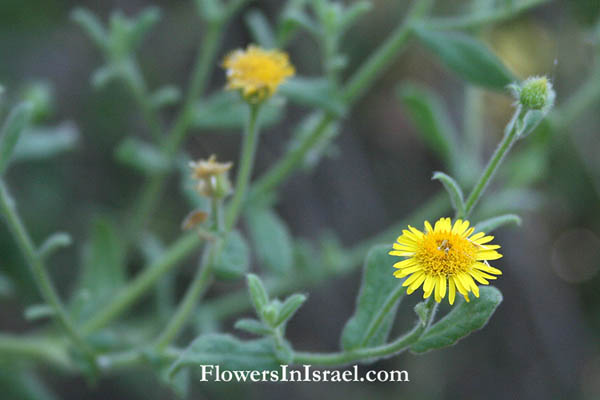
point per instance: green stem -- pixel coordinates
(137, 84)
(385, 54)
(154, 186)
(40, 274)
(510, 137)
(357, 85)
(371, 353)
(199, 284)
(235, 303)
(246, 162)
(144, 281)
(486, 18)
(42, 349)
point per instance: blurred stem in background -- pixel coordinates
(38, 270)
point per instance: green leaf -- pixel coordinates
(461, 321)
(54, 242)
(468, 57)
(46, 142)
(141, 156)
(454, 191)
(233, 260)
(258, 293)
(432, 120)
(260, 29)
(271, 239)
(289, 308)
(319, 149)
(226, 110)
(140, 26)
(530, 121)
(14, 125)
(103, 268)
(313, 92)
(92, 25)
(253, 326)
(494, 223)
(229, 353)
(165, 96)
(376, 304)
(38, 311)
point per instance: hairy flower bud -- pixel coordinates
(535, 93)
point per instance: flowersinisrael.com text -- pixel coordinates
(214, 373)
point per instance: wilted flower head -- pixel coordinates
(212, 176)
(445, 258)
(256, 72)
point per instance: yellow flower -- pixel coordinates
(445, 258)
(257, 72)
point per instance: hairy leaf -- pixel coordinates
(233, 260)
(271, 238)
(461, 321)
(468, 57)
(228, 352)
(377, 302)
(453, 189)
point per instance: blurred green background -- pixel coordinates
(543, 342)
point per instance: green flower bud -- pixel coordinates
(535, 93)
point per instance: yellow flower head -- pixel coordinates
(445, 257)
(257, 72)
(212, 177)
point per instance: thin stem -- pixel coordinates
(389, 303)
(135, 80)
(144, 281)
(199, 284)
(387, 350)
(356, 86)
(154, 186)
(510, 137)
(246, 162)
(486, 18)
(370, 70)
(235, 303)
(40, 274)
(43, 349)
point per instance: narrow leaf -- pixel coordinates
(233, 260)
(16, 122)
(46, 142)
(432, 120)
(260, 29)
(55, 242)
(226, 110)
(468, 57)
(289, 307)
(461, 321)
(229, 353)
(453, 189)
(271, 239)
(92, 25)
(38, 311)
(494, 223)
(141, 156)
(376, 304)
(165, 96)
(103, 268)
(252, 326)
(258, 293)
(313, 92)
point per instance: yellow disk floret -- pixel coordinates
(445, 258)
(257, 72)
